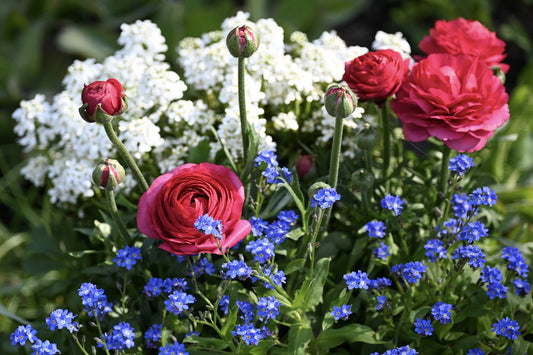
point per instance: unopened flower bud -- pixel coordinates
(362, 179)
(102, 100)
(108, 174)
(367, 139)
(340, 101)
(304, 164)
(242, 42)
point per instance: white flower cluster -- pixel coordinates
(285, 84)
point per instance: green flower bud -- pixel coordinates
(367, 139)
(340, 101)
(319, 185)
(108, 174)
(242, 42)
(362, 180)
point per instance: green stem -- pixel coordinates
(335, 153)
(79, 344)
(242, 111)
(112, 205)
(123, 152)
(123, 298)
(385, 124)
(314, 236)
(444, 171)
(101, 333)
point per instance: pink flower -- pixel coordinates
(376, 75)
(468, 37)
(169, 208)
(456, 99)
(108, 94)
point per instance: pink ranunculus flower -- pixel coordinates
(468, 37)
(108, 94)
(168, 210)
(376, 75)
(456, 99)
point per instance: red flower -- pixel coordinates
(376, 75)
(109, 94)
(456, 99)
(468, 37)
(169, 208)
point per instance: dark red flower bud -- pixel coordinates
(242, 42)
(304, 165)
(108, 174)
(102, 100)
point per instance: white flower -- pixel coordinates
(139, 136)
(286, 121)
(393, 41)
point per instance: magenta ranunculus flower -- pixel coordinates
(108, 94)
(456, 99)
(376, 75)
(174, 201)
(468, 37)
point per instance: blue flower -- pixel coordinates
(475, 351)
(393, 203)
(120, 338)
(521, 287)
(449, 227)
(277, 279)
(203, 267)
(515, 260)
(375, 229)
(154, 287)
(381, 302)
(178, 302)
(442, 312)
(497, 289)
(127, 257)
(289, 216)
(507, 327)
(475, 256)
(357, 279)
(209, 226)
(248, 333)
(276, 231)
(224, 304)
(412, 271)
(23, 333)
(473, 231)
(60, 319)
(423, 326)
(247, 310)
(266, 156)
(262, 249)
(491, 275)
(174, 284)
(153, 336)
(173, 349)
(484, 196)
(324, 198)
(403, 350)
(461, 205)
(44, 348)
(382, 252)
(237, 268)
(94, 300)
(460, 164)
(258, 226)
(343, 312)
(267, 308)
(435, 249)
(379, 284)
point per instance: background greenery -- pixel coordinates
(39, 39)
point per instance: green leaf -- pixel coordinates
(351, 333)
(299, 338)
(519, 347)
(81, 253)
(262, 347)
(310, 295)
(295, 234)
(6, 313)
(294, 265)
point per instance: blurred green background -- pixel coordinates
(39, 39)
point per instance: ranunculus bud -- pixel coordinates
(102, 100)
(242, 42)
(304, 164)
(367, 139)
(108, 174)
(340, 101)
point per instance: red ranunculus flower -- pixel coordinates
(468, 37)
(456, 99)
(109, 94)
(376, 75)
(169, 208)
